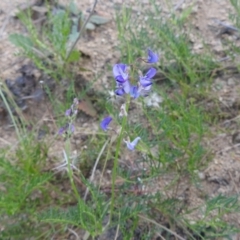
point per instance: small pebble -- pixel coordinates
(201, 175)
(231, 82)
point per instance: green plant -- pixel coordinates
(48, 48)
(147, 196)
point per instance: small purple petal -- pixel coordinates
(123, 88)
(67, 127)
(119, 91)
(126, 87)
(72, 128)
(147, 88)
(134, 92)
(120, 72)
(68, 112)
(131, 145)
(61, 130)
(150, 73)
(105, 122)
(152, 57)
(145, 82)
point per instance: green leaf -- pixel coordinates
(74, 56)
(90, 26)
(22, 41)
(74, 35)
(98, 19)
(73, 8)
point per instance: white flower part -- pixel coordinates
(140, 74)
(140, 180)
(112, 96)
(111, 93)
(132, 145)
(153, 100)
(123, 111)
(64, 166)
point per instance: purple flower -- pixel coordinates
(145, 81)
(139, 90)
(152, 57)
(131, 145)
(150, 74)
(66, 128)
(144, 84)
(105, 122)
(120, 72)
(123, 88)
(134, 92)
(119, 91)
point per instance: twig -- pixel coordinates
(5, 141)
(94, 168)
(230, 27)
(227, 148)
(81, 30)
(64, 165)
(5, 23)
(161, 236)
(74, 233)
(234, 184)
(161, 226)
(178, 5)
(117, 232)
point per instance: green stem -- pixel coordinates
(115, 163)
(70, 173)
(10, 113)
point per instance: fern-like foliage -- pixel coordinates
(18, 227)
(16, 186)
(80, 216)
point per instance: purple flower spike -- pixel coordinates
(65, 129)
(152, 57)
(61, 130)
(132, 145)
(105, 122)
(120, 72)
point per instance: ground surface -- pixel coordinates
(222, 174)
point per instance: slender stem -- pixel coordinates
(94, 168)
(115, 163)
(70, 173)
(10, 113)
(105, 165)
(81, 30)
(161, 226)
